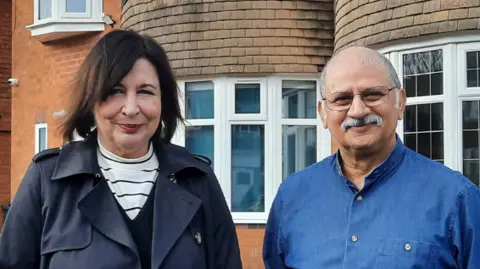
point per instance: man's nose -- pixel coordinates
(358, 109)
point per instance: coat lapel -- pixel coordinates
(174, 209)
(101, 210)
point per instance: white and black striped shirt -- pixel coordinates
(130, 180)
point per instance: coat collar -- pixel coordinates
(174, 205)
(80, 157)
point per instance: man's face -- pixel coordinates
(351, 83)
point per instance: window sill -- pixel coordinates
(50, 30)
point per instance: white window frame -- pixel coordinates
(454, 48)
(464, 94)
(63, 24)
(39, 126)
(270, 117)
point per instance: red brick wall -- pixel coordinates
(5, 101)
(44, 70)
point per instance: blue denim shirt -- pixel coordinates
(412, 213)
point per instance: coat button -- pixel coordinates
(172, 178)
(198, 238)
(408, 247)
(97, 175)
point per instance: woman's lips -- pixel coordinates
(129, 128)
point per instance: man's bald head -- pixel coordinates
(365, 56)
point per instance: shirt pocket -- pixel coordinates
(406, 254)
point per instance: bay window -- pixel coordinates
(256, 131)
(442, 116)
(56, 19)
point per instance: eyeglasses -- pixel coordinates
(371, 97)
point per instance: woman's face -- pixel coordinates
(130, 115)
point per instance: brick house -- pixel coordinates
(248, 74)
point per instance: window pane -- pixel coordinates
(470, 115)
(473, 69)
(248, 168)
(470, 145)
(423, 130)
(247, 98)
(472, 60)
(470, 138)
(437, 83)
(199, 140)
(77, 6)
(471, 170)
(423, 85)
(410, 84)
(299, 148)
(42, 139)
(437, 146)
(472, 79)
(410, 121)
(299, 99)
(44, 9)
(199, 100)
(423, 73)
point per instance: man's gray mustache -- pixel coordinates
(353, 122)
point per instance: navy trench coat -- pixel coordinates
(62, 216)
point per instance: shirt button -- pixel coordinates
(354, 238)
(359, 198)
(408, 247)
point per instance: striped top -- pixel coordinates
(130, 180)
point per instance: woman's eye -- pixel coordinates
(145, 92)
(116, 91)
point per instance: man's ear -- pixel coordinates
(401, 101)
(322, 113)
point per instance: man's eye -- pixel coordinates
(373, 96)
(342, 99)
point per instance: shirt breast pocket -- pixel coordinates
(406, 254)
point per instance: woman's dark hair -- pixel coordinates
(112, 57)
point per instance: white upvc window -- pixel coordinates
(56, 19)
(257, 131)
(442, 118)
(41, 137)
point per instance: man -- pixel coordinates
(375, 203)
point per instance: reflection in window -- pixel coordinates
(199, 100)
(247, 98)
(199, 140)
(423, 130)
(44, 9)
(299, 148)
(77, 6)
(471, 138)
(423, 73)
(299, 99)
(473, 69)
(248, 168)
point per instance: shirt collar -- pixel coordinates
(392, 161)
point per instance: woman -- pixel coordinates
(123, 197)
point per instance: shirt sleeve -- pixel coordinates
(466, 229)
(21, 233)
(273, 255)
